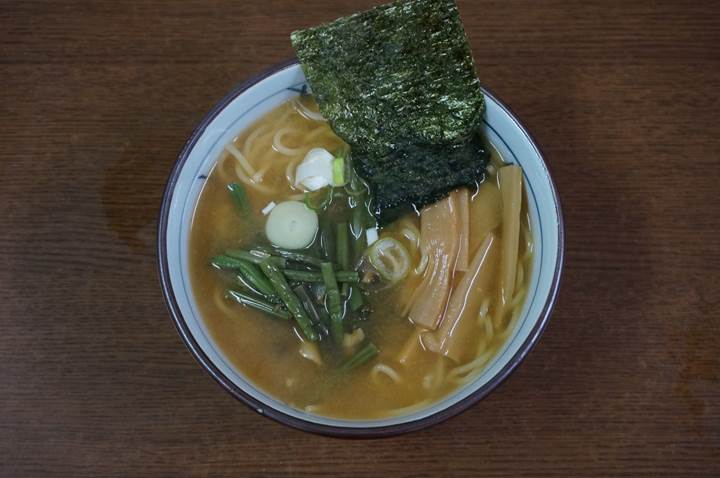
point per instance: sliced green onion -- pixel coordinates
(390, 258)
(338, 166)
(291, 225)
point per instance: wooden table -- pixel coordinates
(97, 99)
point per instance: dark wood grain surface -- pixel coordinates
(97, 99)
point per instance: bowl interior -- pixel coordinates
(240, 109)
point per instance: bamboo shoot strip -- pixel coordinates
(333, 302)
(456, 335)
(310, 276)
(258, 304)
(462, 200)
(288, 297)
(510, 179)
(439, 240)
(366, 353)
(485, 213)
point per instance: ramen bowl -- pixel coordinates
(239, 109)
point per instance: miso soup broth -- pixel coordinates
(414, 357)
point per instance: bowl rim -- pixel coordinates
(306, 425)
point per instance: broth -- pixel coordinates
(265, 350)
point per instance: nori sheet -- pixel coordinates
(398, 84)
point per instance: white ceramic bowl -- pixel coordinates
(247, 103)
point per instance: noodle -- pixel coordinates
(485, 320)
(258, 177)
(386, 370)
(482, 346)
(246, 180)
(281, 148)
(286, 114)
(241, 170)
(517, 299)
(221, 169)
(290, 173)
(435, 378)
(316, 132)
(241, 159)
(305, 112)
(488, 328)
(515, 307)
(310, 351)
(250, 140)
(410, 347)
(483, 311)
(463, 373)
(525, 231)
(410, 408)
(519, 275)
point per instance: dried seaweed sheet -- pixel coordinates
(398, 84)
